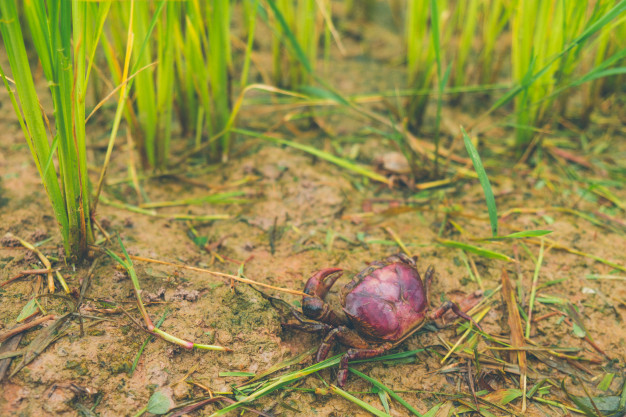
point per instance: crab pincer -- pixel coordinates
(314, 306)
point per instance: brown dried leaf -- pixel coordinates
(517, 334)
(44, 339)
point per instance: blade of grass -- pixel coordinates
(475, 249)
(358, 402)
(533, 290)
(519, 235)
(145, 343)
(358, 169)
(484, 182)
(556, 245)
(119, 111)
(219, 198)
(391, 393)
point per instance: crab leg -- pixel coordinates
(428, 278)
(345, 335)
(352, 354)
(327, 344)
(449, 305)
(306, 325)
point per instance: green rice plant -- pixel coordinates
(361, 9)
(301, 17)
(203, 71)
(65, 35)
(609, 42)
(548, 40)
(495, 15)
(424, 51)
(219, 67)
(149, 106)
(420, 52)
(573, 62)
(467, 19)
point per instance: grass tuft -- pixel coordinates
(65, 38)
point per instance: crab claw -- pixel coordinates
(319, 284)
(313, 305)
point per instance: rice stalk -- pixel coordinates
(149, 104)
(548, 40)
(64, 35)
(301, 17)
(420, 50)
(495, 16)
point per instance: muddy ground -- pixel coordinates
(304, 214)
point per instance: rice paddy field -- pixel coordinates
(173, 172)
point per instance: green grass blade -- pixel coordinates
(358, 169)
(219, 198)
(391, 393)
(521, 235)
(358, 402)
(475, 249)
(293, 42)
(145, 343)
(484, 181)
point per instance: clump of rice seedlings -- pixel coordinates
(421, 51)
(203, 73)
(361, 9)
(302, 18)
(494, 18)
(548, 41)
(466, 16)
(608, 46)
(65, 35)
(148, 110)
(219, 68)
(182, 63)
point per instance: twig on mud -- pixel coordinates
(106, 235)
(19, 329)
(25, 273)
(44, 339)
(470, 382)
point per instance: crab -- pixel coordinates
(382, 306)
